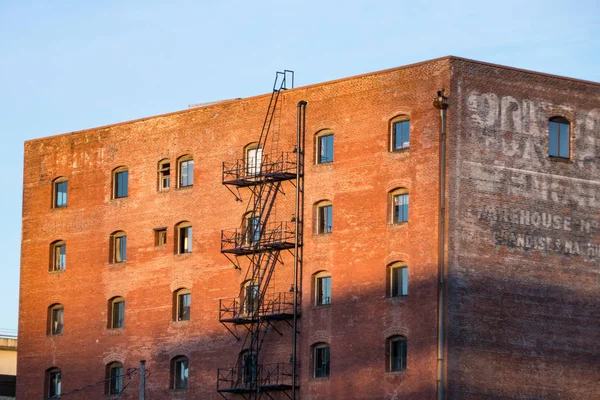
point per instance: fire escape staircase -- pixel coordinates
(260, 241)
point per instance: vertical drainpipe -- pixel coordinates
(441, 103)
(299, 229)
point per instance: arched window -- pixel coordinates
(53, 383)
(58, 256)
(400, 133)
(179, 372)
(253, 156)
(249, 298)
(324, 217)
(559, 138)
(324, 147)
(251, 228)
(397, 279)
(60, 189)
(399, 206)
(114, 378)
(120, 182)
(55, 319)
(321, 360)
(118, 247)
(164, 175)
(397, 351)
(184, 237)
(182, 302)
(248, 368)
(116, 312)
(322, 287)
(185, 171)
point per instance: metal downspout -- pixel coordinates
(441, 103)
(299, 221)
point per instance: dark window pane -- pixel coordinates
(54, 383)
(399, 281)
(553, 140)
(118, 318)
(120, 249)
(185, 239)
(325, 149)
(321, 362)
(324, 290)
(116, 380)
(61, 194)
(187, 173)
(57, 321)
(564, 144)
(398, 354)
(325, 219)
(121, 182)
(184, 306)
(400, 208)
(181, 374)
(401, 135)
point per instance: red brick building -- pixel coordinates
(124, 228)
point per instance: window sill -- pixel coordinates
(188, 187)
(180, 323)
(319, 378)
(320, 306)
(395, 373)
(398, 224)
(52, 335)
(56, 272)
(397, 299)
(323, 234)
(115, 331)
(59, 207)
(400, 151)
(183, 255)
(559, 159)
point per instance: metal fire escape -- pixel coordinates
(260, 241)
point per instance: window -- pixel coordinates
(247, 371)
(400, 133)
(324, 217)
(184, 238)
(60, 192)
(180, 372)
(321, 360)
(559, 138)
(160, 236)
(118, 247)
(58, 256)
(186, 171)
(398, 280)
(55, 319)
(399, 210)
(397, 353)
(53, 383)
(322, 288)
(251, 229)
(120, 182)
(116, 312)
(250, 298)
(183, 302)
(324, 147)
(164, 175)
(253, 157)
(114, 376)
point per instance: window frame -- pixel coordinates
(249, 300)
(185, 162)
(255, 170)
(118, 175)
(404, 208)
(320, 137)
(53, 385)
(118, 247)
(559, 122)
(251, 229)
(182, 239)
(397, 289)
(319, 292)
(55, 193)
(321, 217)
(58, 256)
(400, 119)
(321, 351)
(179, 313)
(176, 383)
(396, 362)
(164, 175)
(56, 320)
(114, 378)
(116, 305)
(247, 372)
(160, 237)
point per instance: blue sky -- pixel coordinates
(73, 65)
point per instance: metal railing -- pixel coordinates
(247, 240)
(274, 376)
(274, 305)
(280, 166)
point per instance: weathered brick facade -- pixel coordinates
(523, 319)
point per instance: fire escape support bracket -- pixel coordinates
(230, 331)
(274, 327)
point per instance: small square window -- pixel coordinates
(121, 181)
(160, 236)
(60, 193)
(325, 149)
(321, 356)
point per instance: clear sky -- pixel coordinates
(68, 65)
